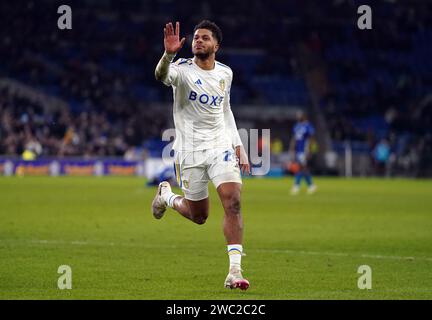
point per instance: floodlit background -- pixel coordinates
(90, 91)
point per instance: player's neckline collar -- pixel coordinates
(211, 70)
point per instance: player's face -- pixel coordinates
(203, 43)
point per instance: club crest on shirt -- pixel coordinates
(222, 84)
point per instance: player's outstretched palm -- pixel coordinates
(172, 41)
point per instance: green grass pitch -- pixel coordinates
(303, 247)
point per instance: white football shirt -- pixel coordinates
(200, 99)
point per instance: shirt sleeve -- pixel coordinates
(174, 75)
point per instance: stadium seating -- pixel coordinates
(378, 80)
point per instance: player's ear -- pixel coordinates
(216, 48)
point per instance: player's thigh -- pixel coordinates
(228, 190)
(301, 158)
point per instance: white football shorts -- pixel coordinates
(194, 169)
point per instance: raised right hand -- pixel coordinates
(171, 38)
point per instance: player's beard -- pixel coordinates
(204, 55)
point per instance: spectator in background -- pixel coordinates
(32, 149)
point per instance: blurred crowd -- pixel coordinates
(378, 81)
(25, 126)
(104, 69)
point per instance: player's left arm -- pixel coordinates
(231, 126)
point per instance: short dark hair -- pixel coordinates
(209, 25)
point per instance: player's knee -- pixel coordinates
(233, 205)
(199, 216)
(200, 219)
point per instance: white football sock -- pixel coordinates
(169, 198)
(235, 253)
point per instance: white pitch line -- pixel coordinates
(146, 245)
(95, 242)
(340, 254)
